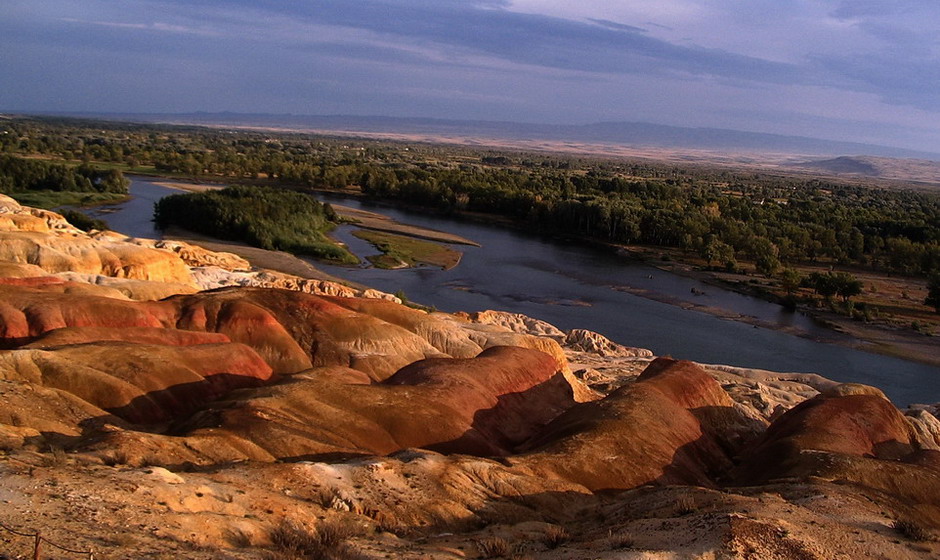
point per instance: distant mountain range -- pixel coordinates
(634, 134)
(906, 169)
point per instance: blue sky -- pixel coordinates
(858, 70)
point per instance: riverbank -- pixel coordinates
(379, 222)
(896, 300)
(888, 336)
(278, 261)
(895, 339)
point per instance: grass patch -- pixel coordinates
(556, 536)
(399, 251)
(54, 199)
(620, 540)
(494, 547)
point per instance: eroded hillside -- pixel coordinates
(145, 414)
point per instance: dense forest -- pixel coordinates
(719, 214)
(19, 174)
(266, 218)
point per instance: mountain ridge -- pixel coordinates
(640, 134)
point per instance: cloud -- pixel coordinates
(154, 26)
(616, 26)
(715, 63)
(486, 28)
(864, 8)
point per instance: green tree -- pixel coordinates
(846, 285)
(765, 256)
(822, 284)
(114, 181)
(933, 292)
(718, 251)
(790, 280)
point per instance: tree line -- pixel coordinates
(19, 174)
(272, 219)
(721, 215)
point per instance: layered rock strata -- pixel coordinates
(300, 399)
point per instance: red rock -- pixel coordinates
(137, 382)
(32, 281)
(137, 335)
(675, 425)
(855, 424)
(480, 406)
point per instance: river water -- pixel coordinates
(574, 286)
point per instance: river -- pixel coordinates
(574, 286)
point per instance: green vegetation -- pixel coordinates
(933, 293)
(263, 217)
(56, 199)
(830, 284)
(721, 215)
(18, 174)
(44, 184)
(83, 222)
(399, 251)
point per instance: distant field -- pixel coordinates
(889, 172)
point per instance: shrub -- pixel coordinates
(294, 542)
(911, 529)
(620, 540)
(494, 547)
(83, 222)
(685, 505)
(556, 536)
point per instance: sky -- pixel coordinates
(855, 70)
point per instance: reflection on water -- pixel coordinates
(573, 286)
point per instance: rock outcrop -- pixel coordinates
(674, 425)
(479, 406)
(587, 341)
(140, 383)
(308, 401)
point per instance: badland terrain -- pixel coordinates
(166, 401)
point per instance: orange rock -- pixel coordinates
(140, 383)
(482, 406)
(847, 421)
(675, 425)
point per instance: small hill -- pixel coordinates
(912, 170)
